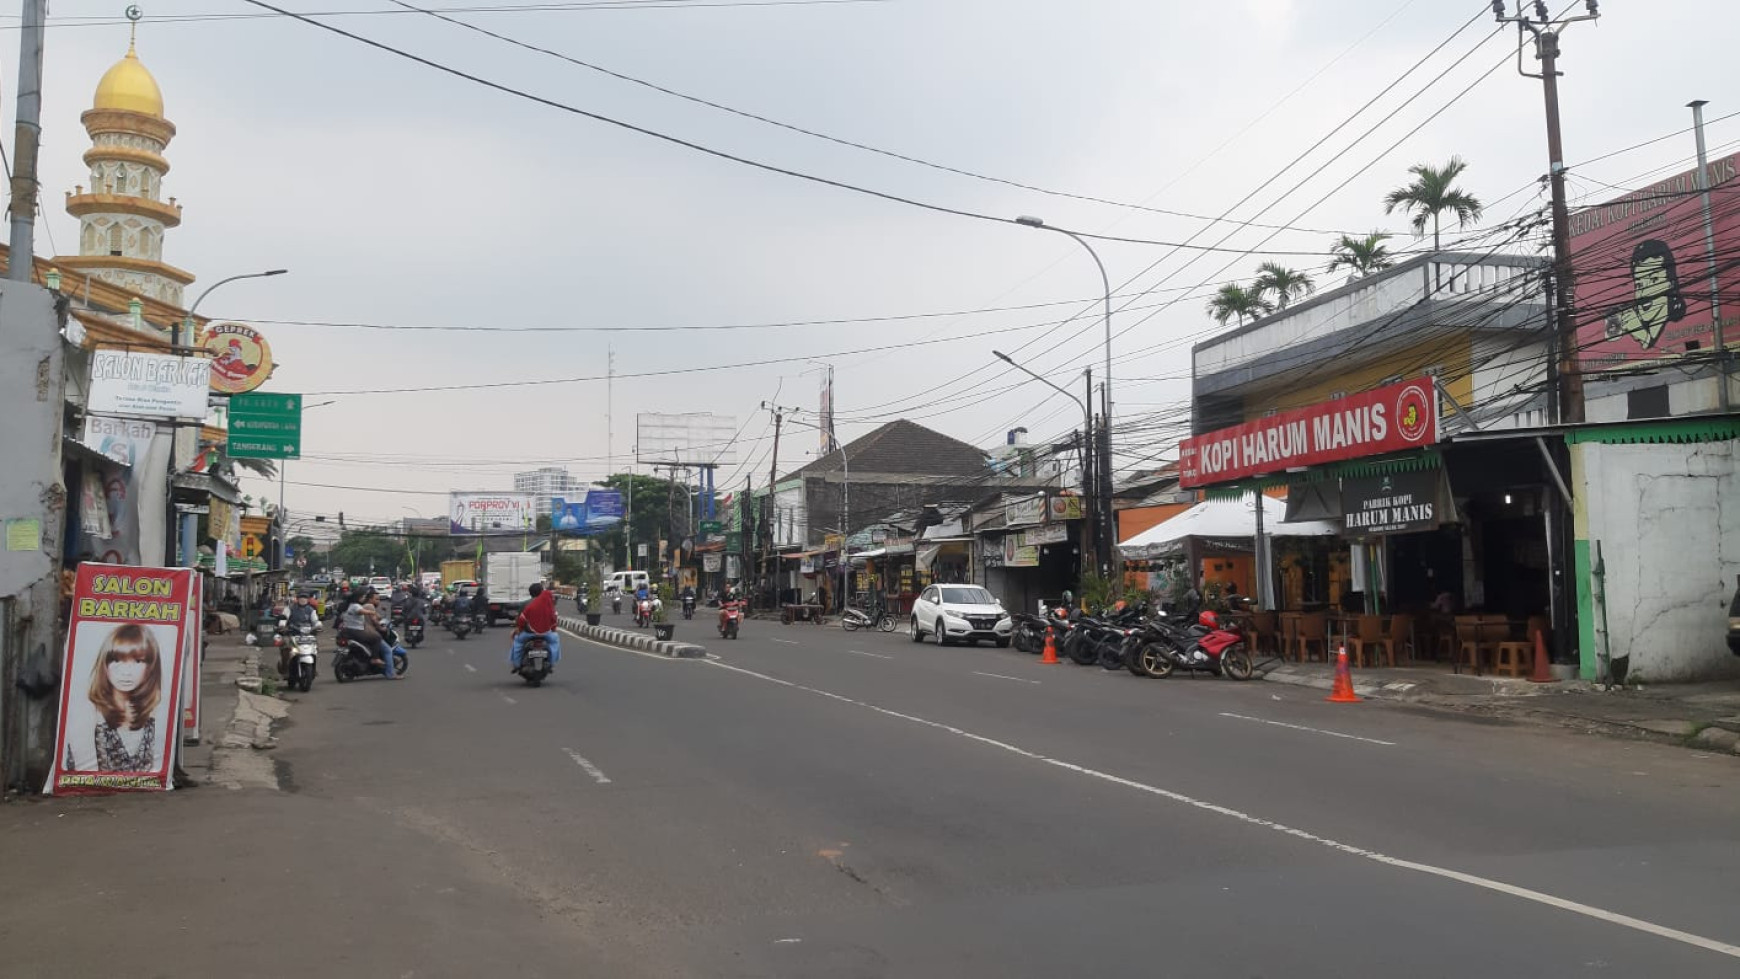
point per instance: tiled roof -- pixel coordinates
(904, 447)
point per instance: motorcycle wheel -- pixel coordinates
(401, 664)
(1111, 657)
(307, 683)
(885, 623)
(1080, 652)
(733, 630)
(339, 673)
(1236, 662)
(1156, 661)
(532, 680)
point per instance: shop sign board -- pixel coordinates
(710, 562)
(139, 384)
(1022, 511)
(1392, 418)
(1393, 503)
(241, 359)
(120, 689)
(1063, 508)
(1048, 534)
(1642, 269)
(1019, 555)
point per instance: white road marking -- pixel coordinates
(587, 767)
(1002, 677)
(620, 649)
(860, 652)
(505, 697)
(471, 668)
(1485, 883)
(788, 642)
(1313, 730)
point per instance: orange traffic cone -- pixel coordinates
(1050, 648)
(1543, 669)
(1343, 691)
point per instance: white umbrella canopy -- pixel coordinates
(1222, 520)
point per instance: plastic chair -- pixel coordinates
(1313, 628)
(1402, 636)
(1265, 631)
(1471, 646)
(1370, 634)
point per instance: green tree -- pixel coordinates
(1235, 301)
(358, 550)
(1433, 193)
(649, 517)
(1361, 256)
(1281, 285)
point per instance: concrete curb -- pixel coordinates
(637, 641)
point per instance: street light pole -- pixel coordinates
(1104, 446)
(1087, 435)
(183, 340)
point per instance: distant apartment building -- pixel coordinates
(548, 482)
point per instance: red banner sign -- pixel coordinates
(1392, 418)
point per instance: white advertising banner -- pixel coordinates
(481, 513)
(148, 385)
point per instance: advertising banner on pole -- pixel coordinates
(121, 683)
(190, 657)
(480, 513)
(597, 511)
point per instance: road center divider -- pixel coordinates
(631, 639)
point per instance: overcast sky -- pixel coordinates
(400, 195)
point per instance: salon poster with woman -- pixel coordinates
(121, 683)
(1642, 265)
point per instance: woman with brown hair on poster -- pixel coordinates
(126, 684)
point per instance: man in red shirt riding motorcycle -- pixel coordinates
(538, 619)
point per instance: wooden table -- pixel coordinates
(796, 612)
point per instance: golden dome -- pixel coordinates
(130, 87)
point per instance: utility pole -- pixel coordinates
(1546, 32)
(1090, 484)
(1722, 396)
(25, 140)
(772, 482)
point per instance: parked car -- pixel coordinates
(960, 613)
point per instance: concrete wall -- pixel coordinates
(32, 405)
(1667, 517)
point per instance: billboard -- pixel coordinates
(480, 513)
(1393, 418)
(695, 439)
(241, 359)
(121, 682)
(597, 511)
(148, 385)
(1643, 287)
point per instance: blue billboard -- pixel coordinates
(599, 511)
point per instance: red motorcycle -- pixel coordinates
(1205, 647)
(730, 617)
(643, 612)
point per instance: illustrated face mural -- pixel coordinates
(1655, 300)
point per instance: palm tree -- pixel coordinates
(1431, 195)
(1236, 301)
(1361, 256)
(1284, 284)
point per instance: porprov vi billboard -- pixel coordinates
(482, 513)
(1643, 285)
(1393, 418)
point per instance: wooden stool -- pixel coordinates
(1514, 658)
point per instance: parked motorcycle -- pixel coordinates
(1734, 620)
(730, 619)
(353, 659)
(855, 618)
(304, 659)
(1204, 647)
(534, 660)
(1029, 635)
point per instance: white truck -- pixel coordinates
(507, 577)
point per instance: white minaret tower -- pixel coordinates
(122, 219)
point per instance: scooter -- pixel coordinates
(616, 603)
(730, 619)
(304, 654)
(534, 661)
(643, 612)
(414, 631)
(1204, 647)
(353, 659)
(459, 623)
(688, 606)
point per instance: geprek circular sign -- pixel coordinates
(1415, 412)
(241, 359)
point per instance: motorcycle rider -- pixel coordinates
(361, 621)
(301, 614)
(539, 618)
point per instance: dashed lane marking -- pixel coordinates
(470, 668)
(505, 697)
(788, 642)
(587, 767)
(1002, 677)
(1313, 730)
(1444, 873)
(860, 652)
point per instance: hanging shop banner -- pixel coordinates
(193, 643)
(710, 563)
(121, 683)
(1063, 508)
(1393, 418)
(1019, 555)
(480, 513)
(148, 385)
(1393, 503)
(1642, 264)
(1022, 511)
(1049, 534)
(241, 359)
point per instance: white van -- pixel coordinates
(626, 582)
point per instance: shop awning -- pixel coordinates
(1221, 520)
(84, 453)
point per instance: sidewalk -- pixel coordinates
(1705, 716)
(235, 720)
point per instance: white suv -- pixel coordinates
(947, 613)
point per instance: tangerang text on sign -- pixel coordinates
(1392, 418)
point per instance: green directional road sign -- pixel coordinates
(265, 426)
(712, 528)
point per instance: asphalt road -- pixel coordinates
(809, 802)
